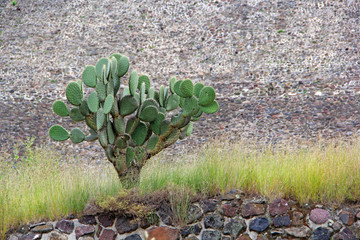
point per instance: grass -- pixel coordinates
(39, 188)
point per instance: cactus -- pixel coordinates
(133, 125)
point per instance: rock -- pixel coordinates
(165, 218)
(151, 220)
(214, 221)
(209, 205)
(43, 228)
(345, 234)
(336, 226)
(163, 233)
(358, 215)
(187, 230)
(107, 234)
(228, 210)
(55, 235)
(278, 207)
(84, 230)
(88, 219)
(133, 237)
(106, 220)
(125, 225)
(346, 218)
(211, 235)
(252, 209)
(31, 236)
(244, 237)
(300, 232)
(261, 237)
(321, 234)
(282, 221)
(65, 226)
(226, 238)
(259, 224)
(232, 194)
(234, 227)
(86, 238)
(191, 238)
(319, 216)
(297, 219)
(194, 214)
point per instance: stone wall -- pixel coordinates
(231, 216)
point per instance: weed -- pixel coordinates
(14, 2)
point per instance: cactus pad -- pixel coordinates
(58, 133)
(84, 109)
(152, 142)
(212, 108)
(99, 67)
(74, 93)
(109, 101)
(77, 136)
(197, 88)
(139, 134)
(76, 115)
(172, 102)
(144, 79)
(93, 102)
(110, 133)
(131, 125)
(119, 125)
(101, 91)
(172, 84)
(60, 108)
(206, 96)
(89, 76)
(133, 82)
(149, 114)
(121, 143)
(156, 125)
(177, 88)
(100, 118)
(128, 105)
(187, 88)
(190, 107)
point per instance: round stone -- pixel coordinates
(319, 216)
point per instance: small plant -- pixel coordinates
(131, 126)
(14, 2)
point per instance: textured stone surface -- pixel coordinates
(133, 237)
(209, 205)
(336, 226)
(282, 221)
(346, 218)
(301, 232)
(259, 224)
(191, 238)
(252, 209)
(194, 214)
(125, 225)
(234, 227)
(320, 234)
(88, 219)
(319, 216)
(31, 236)
(195, 229)
(358, 215)
(84, 230)
(244, 237)
(65, 226)
(55, 235)
(297, 219)
(163, 233)
(107, 234)
(43, 228)
(106, 220)
(86, 238)
(211, 235)
(228, 210)
(345, 234)
(213, 221)
(278, 207)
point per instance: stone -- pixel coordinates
(358, 215)
(86, 238)
(259, 224)
(88, 219)
(107, 234)
(226, 238)
(297, 219)
(336, 226)
(163, 233)
(125, 225)
(65, 226)
(31, 236)
(213, 221)
(234, 227)
(194, 214)
(99, 230)
(319, 216)
(252, 209)
(321, 234)
(191, 238)
(43, 228)
(55, 235)
(278, 207)
(151, 220)
(228, 210)
(84, 230)
(209, 205)
(106, 220)
(194, 229)
(244, 237)
(133, 237)
(277, 232)
(261, 237)
(300, 232)
(165, 218)
(282, 221)
(210, 235)
(346, 218)
(233, 194)
(345, 234)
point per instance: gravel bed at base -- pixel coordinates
(284, 70)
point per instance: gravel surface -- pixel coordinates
(284, 70)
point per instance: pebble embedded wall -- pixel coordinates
(225, 218)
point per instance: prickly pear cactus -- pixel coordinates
(133, 124)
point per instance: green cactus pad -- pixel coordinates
(178, 120)
(173, 137)
(149, 114)
(84, 109)
(60, 108)
(156, 125)
(110, 132)
(126, 91)
(110, 87)
(150, 102)
(151, 93)
(128, 105)
(190, 107)
(58, 133)
(92, 136)
(76, 135)
(103, 138)
(212, 108)
(177, 88)
(133, 82)
(121, 143)
(166, 94)
(172, 102)
(123, 64)
(197, 88)
(91, 121)
(144, 79)
(113, 66)
(131, 125)
(117, 82)
(89, 76)
(101, 91)
(163, 110)
(104, 74)
(172, 84)
(139, 134)
(109, 101)
(76, 115)
(100, 118)
(142, 93)
(206, 96)
(152, 142)
(189, 129)
(165, 128)
(197, 116)
(74, 93)
(109, 151)
(99, 67)
(161, 95)
(130, 156)
(119, 125)
(93, 102)
(115, 109)
(187, 88)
